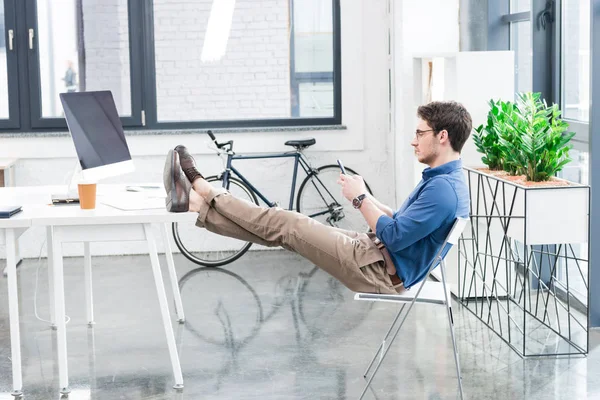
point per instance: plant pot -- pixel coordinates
(539, 214)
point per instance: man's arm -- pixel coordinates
(371, 212)
(435, 203)
(385, 209)
(371, 209)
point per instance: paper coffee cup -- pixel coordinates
(87, 194)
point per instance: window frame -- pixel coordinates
(10, 22)
(150, 101)
(25, 91)
(581, 128)
(34, 82)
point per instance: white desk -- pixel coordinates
(71, 224)
(10, 230)
(7, 178)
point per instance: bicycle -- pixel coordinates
(315, 199)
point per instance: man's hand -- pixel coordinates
(352, 186)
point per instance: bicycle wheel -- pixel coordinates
(320, 197)
(206, 248)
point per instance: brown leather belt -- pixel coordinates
(396, 281)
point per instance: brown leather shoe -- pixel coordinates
(177, 186)
(188, 164)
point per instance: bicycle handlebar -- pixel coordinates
(220, 145)
(212, 136)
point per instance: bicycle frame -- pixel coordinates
(299, 159)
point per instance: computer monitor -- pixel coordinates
(97, 133)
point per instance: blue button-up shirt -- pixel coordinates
(416, 231)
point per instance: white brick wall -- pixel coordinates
(251, 81)
(106, 35)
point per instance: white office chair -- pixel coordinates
(429, 292)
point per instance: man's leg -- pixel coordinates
(350, 257)
(210, 219)
(355, 261)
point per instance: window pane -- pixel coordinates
(313, 58)
(2, 37)
(3, 68)
(520, 6)
(576, 56)
(83, 51)
(520, 43)
(576, 171)
(216, 62)
(316, 99)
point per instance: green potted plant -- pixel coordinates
(524, 145)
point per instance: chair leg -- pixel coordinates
(451, 324)
(382, 345)
(385, 351)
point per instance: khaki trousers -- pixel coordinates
(351, 257)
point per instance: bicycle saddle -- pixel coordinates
(301, 143)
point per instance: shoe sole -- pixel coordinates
(171, 174)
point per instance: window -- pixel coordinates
(520, 43)
(8, 68)
(175, 63)
(249, 80)
(312, 60)
(2, 37)
(3, 65)
(517, 6)
(274, 63)
(575, 99)
(577, 171)
(83, 49)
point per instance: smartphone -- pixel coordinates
(341, 166)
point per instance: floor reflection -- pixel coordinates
(269, 326)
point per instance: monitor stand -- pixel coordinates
(71, 196)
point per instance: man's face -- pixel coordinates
(426, 144)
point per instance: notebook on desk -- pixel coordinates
(9, 211)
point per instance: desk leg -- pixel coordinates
(89, 296)
(13, 306)
(172, 274)
(59, 309)
(164, 308)
(50, 258)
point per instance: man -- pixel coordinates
(405, 242)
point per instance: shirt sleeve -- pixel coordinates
(436, 202)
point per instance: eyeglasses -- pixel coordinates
(419, 134)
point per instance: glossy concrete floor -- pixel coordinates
(269, 326)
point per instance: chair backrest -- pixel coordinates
(457, 229)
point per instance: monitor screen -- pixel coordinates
(96, 129)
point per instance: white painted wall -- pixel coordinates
(420, 27)
(365, 145)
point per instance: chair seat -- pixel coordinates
(432, 293)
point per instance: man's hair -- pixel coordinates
(451, 116)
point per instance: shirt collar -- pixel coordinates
(451, 166)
